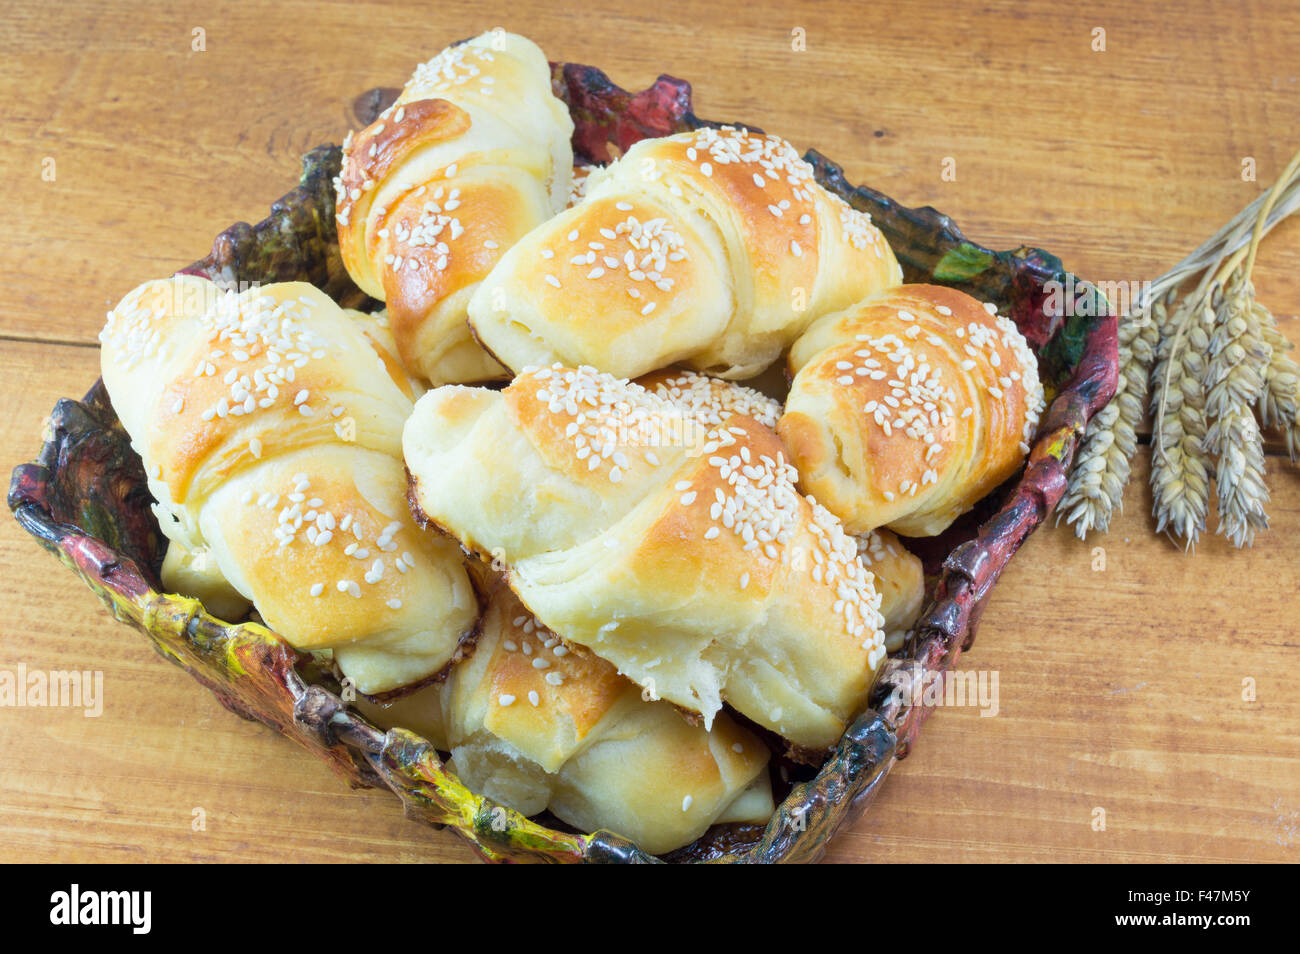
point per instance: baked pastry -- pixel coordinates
(537, 723)
(696, 568)
(713, 249)
(591, 748)
(195, 573)
(377, 328)
(269, 427)
(900, 581)
(907, 408)
(472, 155)
(711, 400)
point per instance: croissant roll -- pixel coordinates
(379, 331)
(537, 723)
(269, 426)
(711, 400)
(909, 407)
(713, 249)
(471, 156)
(695, 567)
(900, 581)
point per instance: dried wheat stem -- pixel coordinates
(1239, 355)
(1101, 471)
(1218, 357)
(1232, 236)
(1179, 465)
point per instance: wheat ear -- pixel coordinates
(1101, 471)
(1239, 355)
(1279, 405)
(1179, 465)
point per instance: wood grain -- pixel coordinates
(1120, 688)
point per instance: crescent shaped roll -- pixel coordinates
(907, 408)
(537, 723)
(696, 567)
(713, 249)
(269, 426)
(472, 155)
(711, 400)
(900, 581)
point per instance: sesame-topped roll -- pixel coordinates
(900, 581)
(711, 400)
(269, 425)
(713, 248)
(681, 553)
(909, 407)
(537, 723)
(472, 155)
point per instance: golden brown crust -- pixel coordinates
(604, 279)
(697, 569)
(275, 372)
(568, 682)
(900, 578)
(430, 195)
(428, 267)
(711, 400)
(270, 428)
(782, 250)
(537, 723)
(388, 141)
(908, 407)
(713, 248)
(393, 365)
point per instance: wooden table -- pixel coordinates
(1120, 689)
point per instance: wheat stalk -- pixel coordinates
(1239, 354)
(1217, 358)
(1179, 465)
(1096, 486)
